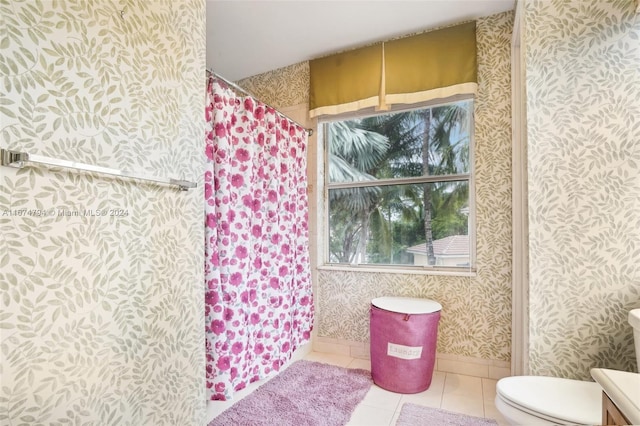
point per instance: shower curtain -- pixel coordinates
(258, 301)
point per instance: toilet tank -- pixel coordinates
(634, 320)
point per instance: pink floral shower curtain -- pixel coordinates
(258, 301)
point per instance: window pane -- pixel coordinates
(428, 141)
(388, 224)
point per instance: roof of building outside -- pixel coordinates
(454, 245)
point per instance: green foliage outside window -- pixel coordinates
(396, 181)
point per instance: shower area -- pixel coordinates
(258, 294)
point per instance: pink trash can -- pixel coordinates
(403, 336)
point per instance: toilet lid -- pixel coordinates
(567, 400)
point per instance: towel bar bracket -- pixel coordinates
(13, 158)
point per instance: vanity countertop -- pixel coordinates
(623, 388)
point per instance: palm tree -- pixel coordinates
(359, 152)
(442, 155)
(439, 137)
(426, 147)
(352, 152)
(425, 142)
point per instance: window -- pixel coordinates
(398, 189)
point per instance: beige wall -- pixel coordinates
(101, 318)
(476, 318)
(583, 75)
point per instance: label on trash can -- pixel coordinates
(404, 352)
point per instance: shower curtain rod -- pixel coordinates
(235, 86)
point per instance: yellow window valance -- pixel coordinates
(346, 81)
(432, 65)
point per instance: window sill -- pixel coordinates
(401, 271)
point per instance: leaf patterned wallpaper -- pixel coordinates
(583, 75)
(476, 316)
(281, 88)
(101, 278)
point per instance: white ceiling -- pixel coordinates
(245, 38)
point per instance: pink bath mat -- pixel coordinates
(305, 394)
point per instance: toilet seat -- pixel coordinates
(553, 399)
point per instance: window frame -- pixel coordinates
(323, 180)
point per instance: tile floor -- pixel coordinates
(454, 392)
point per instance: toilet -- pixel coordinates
(539, 400)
